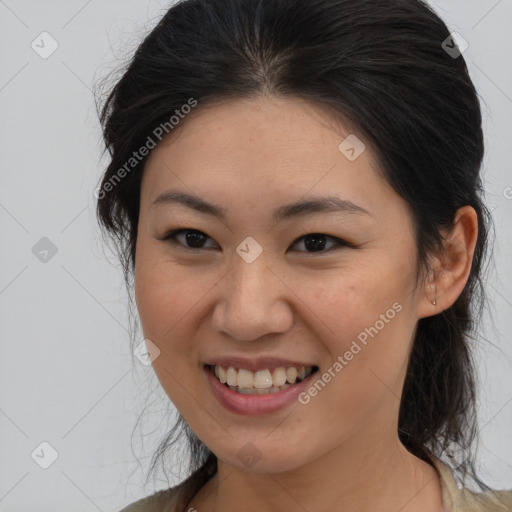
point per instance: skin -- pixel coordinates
(340, 451)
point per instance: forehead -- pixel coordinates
(261, 122)
(263, 147)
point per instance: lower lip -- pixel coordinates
(255, 404)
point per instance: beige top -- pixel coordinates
(454, 499)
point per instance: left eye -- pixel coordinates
(315, 241)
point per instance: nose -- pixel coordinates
(253, 302)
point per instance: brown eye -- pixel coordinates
(193, 237)
(316, 242)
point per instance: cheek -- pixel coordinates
(166, 292)
(367, 322)
(354, 303)
(164, 298)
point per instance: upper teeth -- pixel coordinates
(261, 379)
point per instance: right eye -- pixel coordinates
(191, 236)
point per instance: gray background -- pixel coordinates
(66, 375)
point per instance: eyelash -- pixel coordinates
(170, 237)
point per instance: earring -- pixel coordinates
(430, 271)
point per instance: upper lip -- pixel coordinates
(255, 364)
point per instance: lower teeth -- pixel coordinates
(259, 391)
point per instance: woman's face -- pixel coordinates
(257, 291)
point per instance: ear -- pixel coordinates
(450, 269)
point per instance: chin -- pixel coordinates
(263, 457)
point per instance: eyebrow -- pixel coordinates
(328, 204)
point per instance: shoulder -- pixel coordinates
(464, 500)
(160, 501)
(496, 501)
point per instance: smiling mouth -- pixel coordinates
(260, 382)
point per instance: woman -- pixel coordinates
(295, 189)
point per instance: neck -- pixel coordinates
(352, 478)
